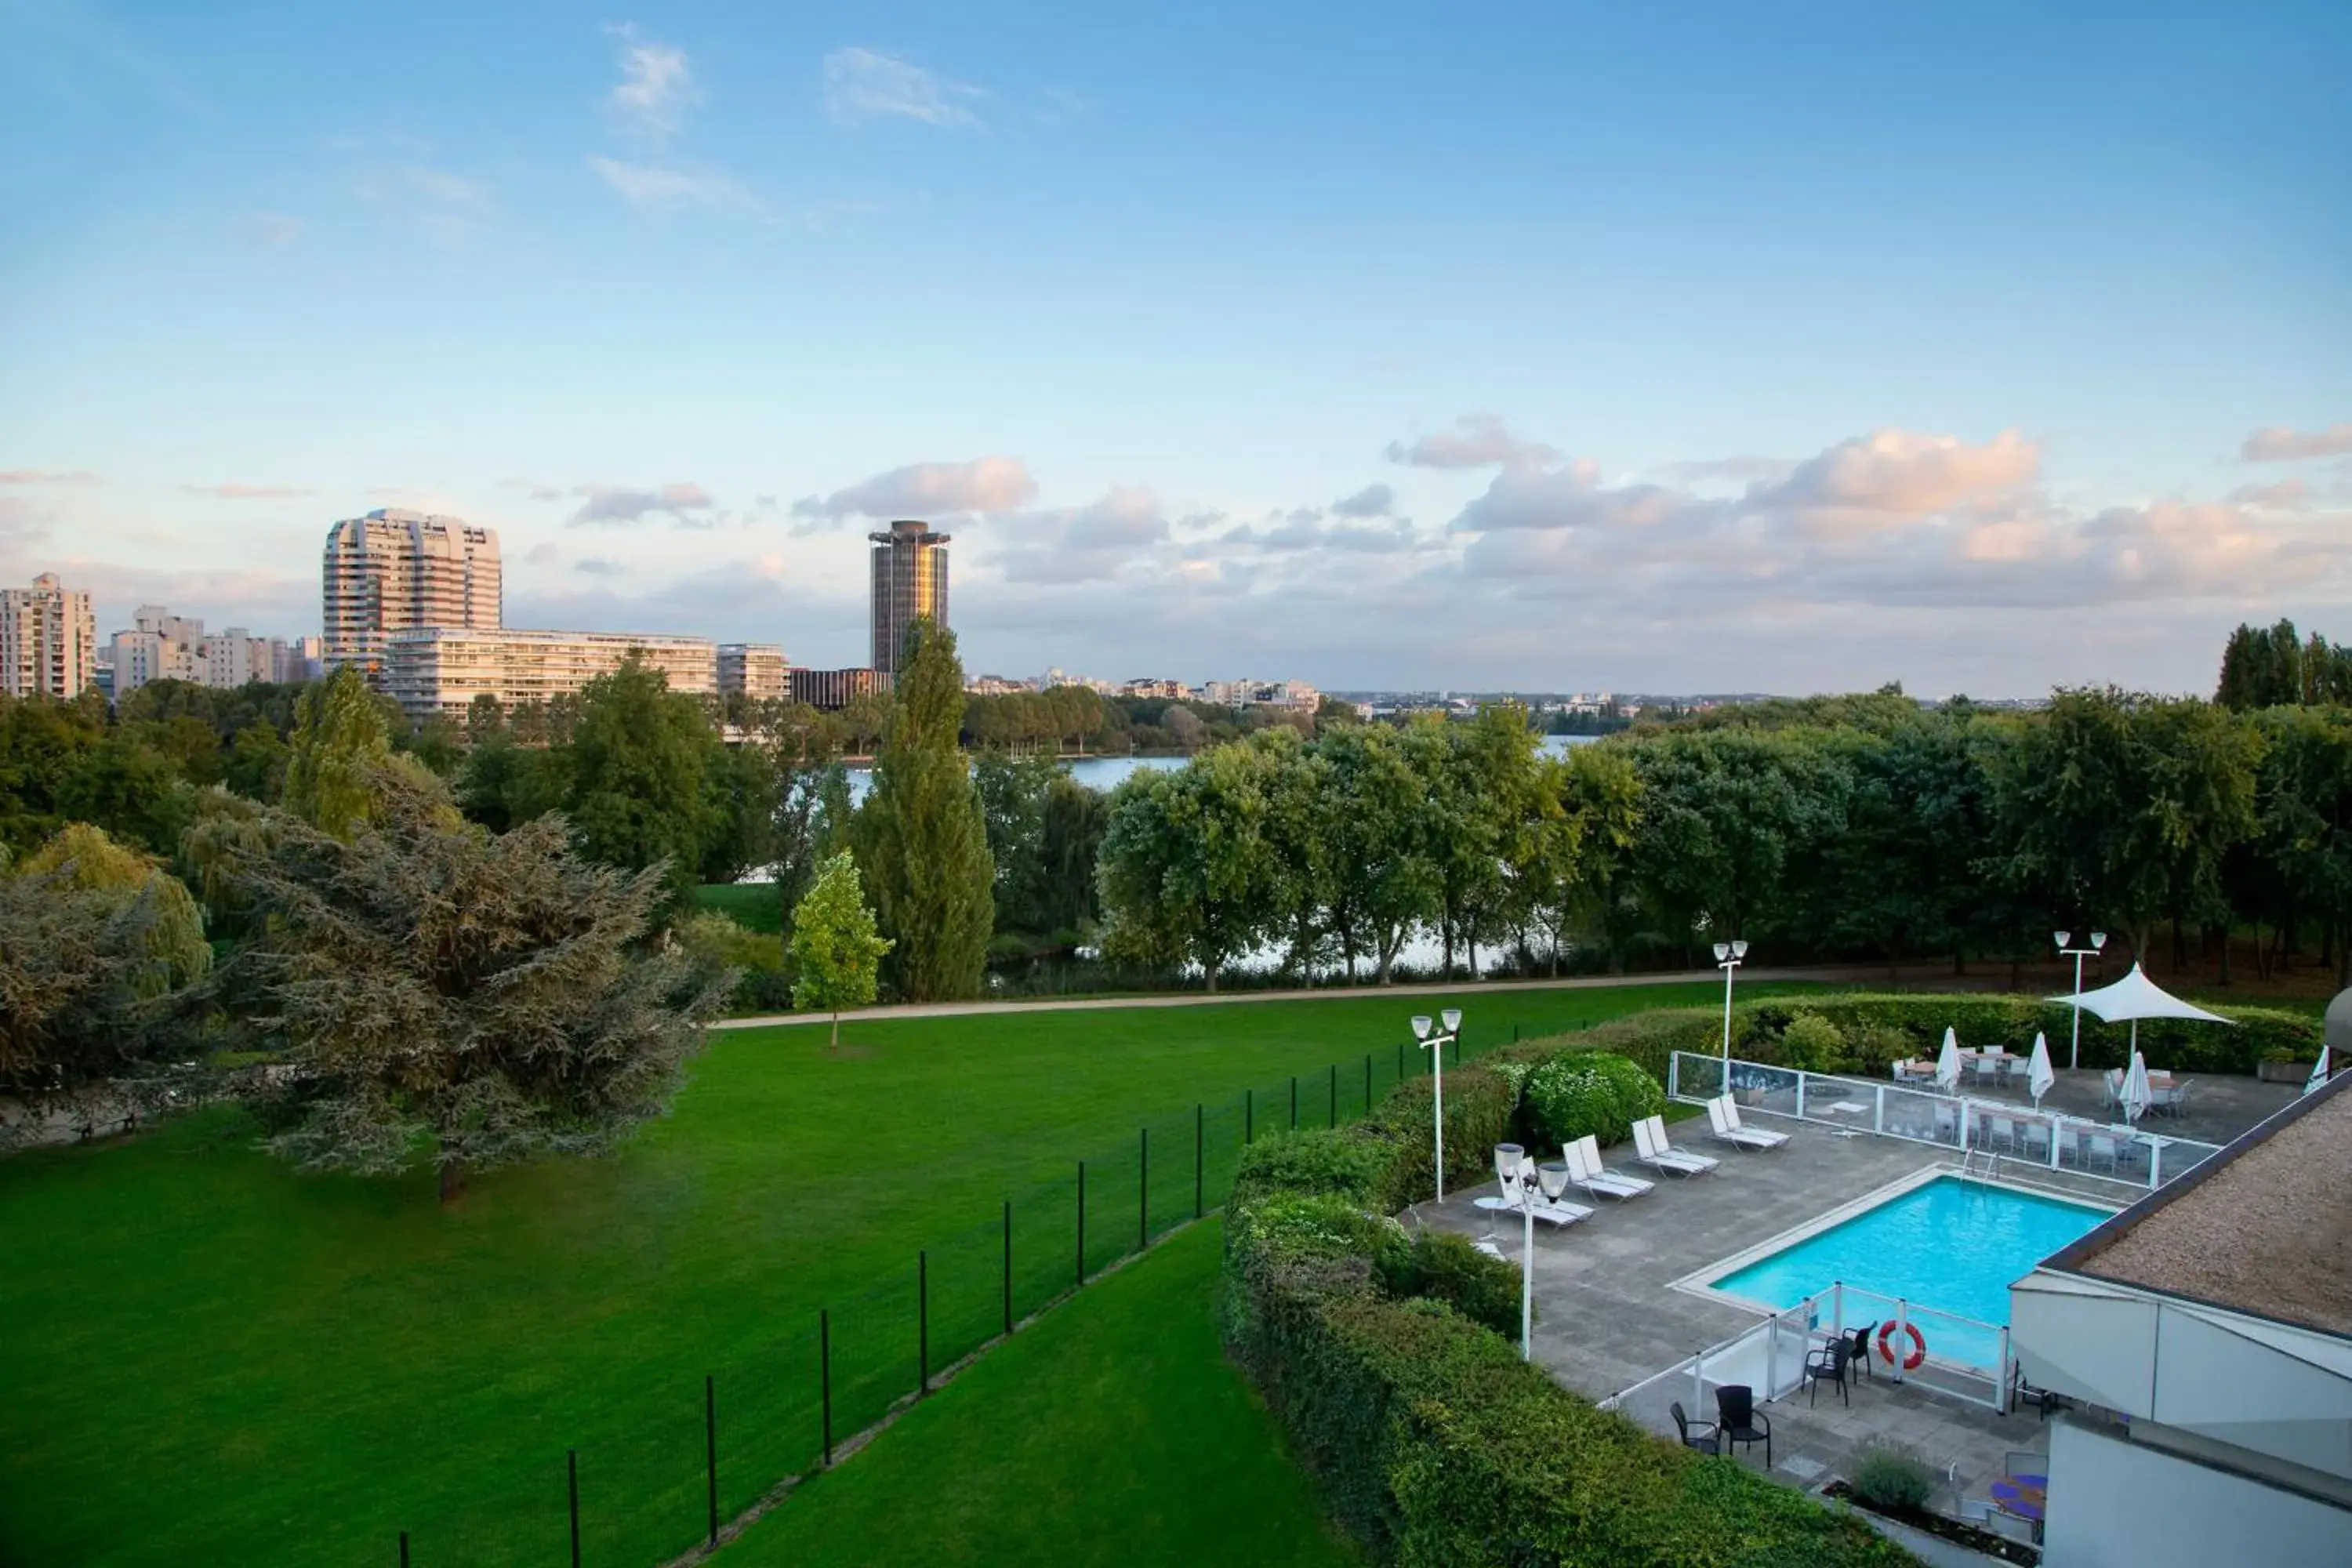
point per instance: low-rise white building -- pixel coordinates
(754, 670)
(441, 670)
(2205, 1335)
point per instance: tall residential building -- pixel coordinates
(391, 570)
(166, 647)
(756, 669)
(48, 639)
(441, 670)
(910, 584)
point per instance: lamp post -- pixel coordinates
(1452, 1019)
(1551, 1182)
(1728, 957)
(2098, 940)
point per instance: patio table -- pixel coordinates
(2024, 1495)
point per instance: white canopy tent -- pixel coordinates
(2135, 998)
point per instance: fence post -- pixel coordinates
(1400, 1061)
(824, 1379)
(1902, 1336)
(2155, 1164)
(1801, 1095)
(1294, 1102)
(710, 1446)
(1249, 1115)
(1515, 1031)
(1143, 1189)
(1200, 1117)
(403, 1549)
(1334, 1120)
(1673, 1075)
(1367, 1083)
(571, 1464)
(1878, 1111)
(1081, 1222)
(922, 1324)
(1008, 1265)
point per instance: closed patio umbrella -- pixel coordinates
(2135, 1093)
(2038, 1074)
(1947, 1063)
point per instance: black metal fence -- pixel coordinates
(669, 1473)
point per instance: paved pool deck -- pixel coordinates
(1609, 1320)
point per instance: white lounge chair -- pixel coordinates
(1506, 1202)
(1723, 1116)
(1585, 1169)
(1645, 1149)
(1691, 1164)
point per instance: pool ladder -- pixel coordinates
(1969, 1164)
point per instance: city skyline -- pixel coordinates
(1545, 352)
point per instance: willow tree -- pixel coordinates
(341, 742)
(452, 995)
(920, 838)
(95, 940)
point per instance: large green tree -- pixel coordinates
(1188, 875)
(1381, 882)
(919, 837)
(340, 744)
(452, 995)
(637, 759)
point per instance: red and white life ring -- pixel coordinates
(1919, 1345)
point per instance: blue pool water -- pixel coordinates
(1947, 1246)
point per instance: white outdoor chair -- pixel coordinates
(2037, 1139)
(1692, 1164)
(2001, 1130)
(1723, 1117)
(2104, 1146)
(1585, 1169)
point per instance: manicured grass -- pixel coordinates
(752, 905)
(1113, 1432)
(209, 1357)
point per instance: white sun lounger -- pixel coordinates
(1652, 1148)
(1723, 1116)
(1585, 1169)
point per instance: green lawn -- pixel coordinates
(210, 1358)
(1114, 1432)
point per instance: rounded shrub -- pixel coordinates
(1589, 1092)
(1812, 1043)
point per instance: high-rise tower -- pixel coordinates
(910, 584)
(391, 570)
(48, 639)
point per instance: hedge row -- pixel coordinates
(1869, 1029)
(1386, 1358)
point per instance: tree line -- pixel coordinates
(1855, 827)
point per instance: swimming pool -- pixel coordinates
(1945, 1245)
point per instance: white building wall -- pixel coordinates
(2115, 1504)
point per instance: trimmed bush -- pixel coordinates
(1584, 1092)
(1814, 1044)
(1480, 1107)
(1436, 1444)
(1877, 1028)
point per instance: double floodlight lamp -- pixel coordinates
(2099, 940)
(1451, 1017)
(1730, 951)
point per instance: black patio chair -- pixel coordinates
(1858, 1351)
(1739, 1422)
(1704, 1436)
(1827, 1364)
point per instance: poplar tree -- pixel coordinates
(921, 837)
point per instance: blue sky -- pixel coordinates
(1654, 348)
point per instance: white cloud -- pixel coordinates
(650, 185)
(233, 491)
(1902, 473)
(862, 84)
(656, 86)
(47, 476)
(272, 229)
(1373, 501)
(599, 566)
(448, 190)
(1476, 441)
(2285, 495)
(927, 489)
(607, 504)
(2278, 444)
(532, 490)
(1090, 543)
